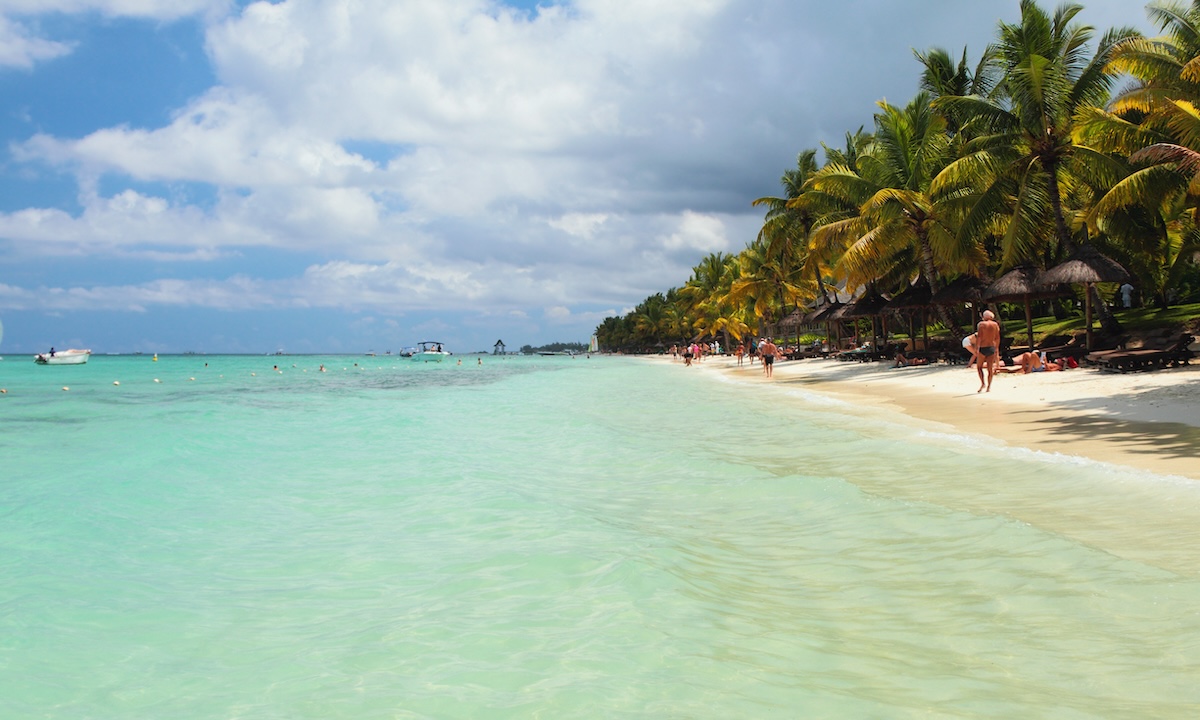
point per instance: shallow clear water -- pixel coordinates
(560, 537)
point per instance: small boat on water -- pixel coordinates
(63, 357)
(430, 351)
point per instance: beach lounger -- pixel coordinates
(1145, 359)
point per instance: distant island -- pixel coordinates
(554, 347)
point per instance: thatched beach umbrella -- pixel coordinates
(791, 320)
(867, 306)
(966, 289)
(1088, 266)
(823, 314)
(915, 297)
(1023, 283)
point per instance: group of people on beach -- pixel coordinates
(984, 346)
(695, 352)
(764, 349)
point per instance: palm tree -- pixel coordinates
(900, 228)
(1153, 210)
(766, 285)
(940, 77)
(707, 291)
(1018, 165)
(788, 225)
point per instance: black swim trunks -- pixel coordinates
(769, 359)
(986, 351)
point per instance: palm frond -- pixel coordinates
(1188, 160)
(1106, 131)
(1149, 187)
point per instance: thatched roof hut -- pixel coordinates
(793, 319)
(914, 296)
(966, 289)
(823, 312)
(1015, 285)
(1086, 265)
(1022, 284)
(865, 306)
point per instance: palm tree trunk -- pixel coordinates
(929, 270)
(1107, 321)
(1060, 221)
(820, 282)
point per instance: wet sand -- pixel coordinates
(1149, 421)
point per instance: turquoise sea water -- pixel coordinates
(561, 538)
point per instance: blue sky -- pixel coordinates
(345, 176)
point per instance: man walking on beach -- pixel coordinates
(768, 351)
(987, 339)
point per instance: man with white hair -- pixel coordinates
(987, 339)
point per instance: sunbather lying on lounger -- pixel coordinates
(904, 361)
(1029, 362)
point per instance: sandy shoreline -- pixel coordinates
(1149, 421)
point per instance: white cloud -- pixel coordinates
(19, 49)
(582, 225)
(703, 233)
(223, 138)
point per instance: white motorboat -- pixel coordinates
(63, 357)
(430, 351)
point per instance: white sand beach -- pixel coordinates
(1147, 420)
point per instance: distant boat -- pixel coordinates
(555, 352)
(63, 357)
(430, 351)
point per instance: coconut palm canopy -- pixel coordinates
(1062, 139)
(1086, 265)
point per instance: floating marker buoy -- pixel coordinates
(3, 391)
(66, 388)
(253, 374)
(191, 378)
(116, 382)
(157, 380)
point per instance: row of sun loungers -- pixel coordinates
(1171, 354)
(1109, 352)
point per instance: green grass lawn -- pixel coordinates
(1135, 320)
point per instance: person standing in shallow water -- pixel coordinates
(987, 340)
